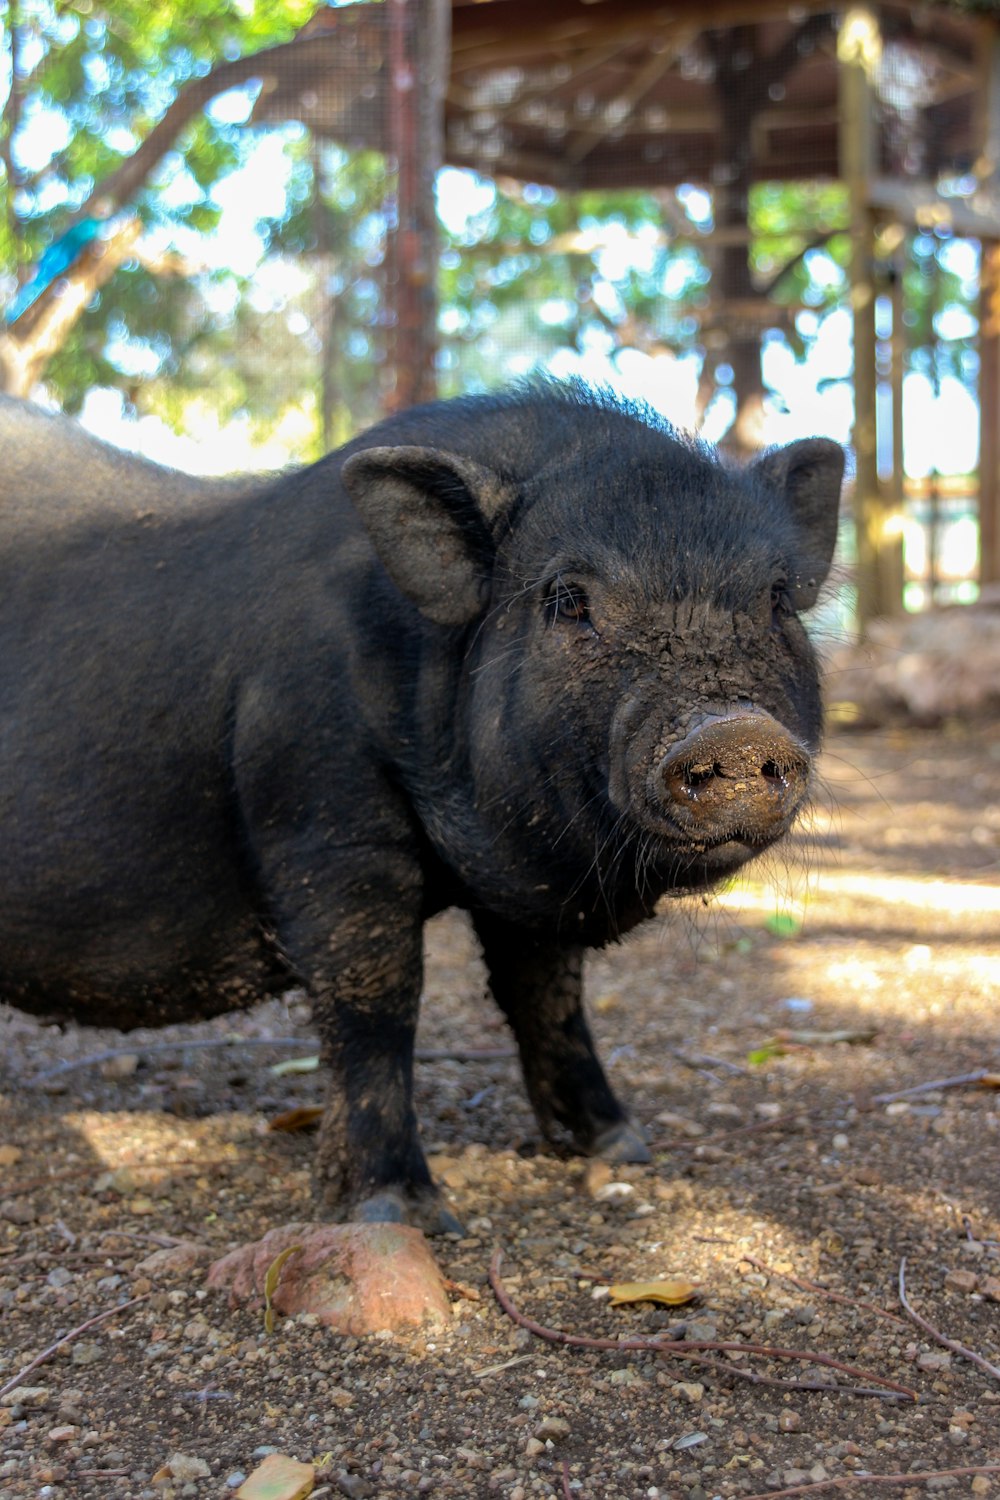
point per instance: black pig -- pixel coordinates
(531, 655)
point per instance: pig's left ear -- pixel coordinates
(427, 513)
(809, 475)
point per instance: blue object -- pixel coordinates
(52, 263)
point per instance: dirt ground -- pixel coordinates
(777, 1156)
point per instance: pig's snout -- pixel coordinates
(737, 776)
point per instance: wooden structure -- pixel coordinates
(901, 102)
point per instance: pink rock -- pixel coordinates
(175, 1260)
(355, 1278)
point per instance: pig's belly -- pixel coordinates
(144, 978)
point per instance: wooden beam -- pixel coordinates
(920, 206)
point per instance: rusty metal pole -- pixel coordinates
(988, 168)
(989, 416)
(418, 60)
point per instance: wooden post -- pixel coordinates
(418, 52)
(879, 544)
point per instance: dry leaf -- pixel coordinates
(278, 1478)
(824, 1038)
(301, 1118)
(271, 1282)
(295, 1065)
(673, 1292)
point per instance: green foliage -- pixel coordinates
(88, 85)
(291, 317)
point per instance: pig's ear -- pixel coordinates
(809, 475)
(427, 513)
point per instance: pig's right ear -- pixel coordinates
(427, 513)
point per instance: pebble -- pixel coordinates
(186, 1467)
(934, 1360)
(87, 1353)
(554, 1428)
(961, 1281)
(688, 1390)
(18, 1211)
(614, 1192)
(26, 1395)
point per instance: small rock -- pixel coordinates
(357, 1278)
(961, 1281)
(990, 1287)
(680, 1123)
(556, 1428)
(122, 1066)
(719, 1109)
(688, 1390)
(87, 1353)
(700, 1331)
(934, 1361)
(533, 1447)
(9, 1155)
(26, 1395)
(614, 1192)
(18, 1211)
(62, 1434)
(174, 1260)
(789, 1421)
(185, 1467)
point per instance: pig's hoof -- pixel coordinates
(425, 1211)
(622, 1142)
(381, 1208)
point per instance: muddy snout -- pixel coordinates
(734, 776)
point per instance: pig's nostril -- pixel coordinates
(696, 776)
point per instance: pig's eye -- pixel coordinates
(568, 601)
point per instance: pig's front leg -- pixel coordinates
(370, 1164)
(356, 942)
(538, 986)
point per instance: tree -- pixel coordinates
(79, 150)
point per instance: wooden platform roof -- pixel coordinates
(629, 93)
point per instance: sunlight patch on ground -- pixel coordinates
(154, 1141)
(943, 897)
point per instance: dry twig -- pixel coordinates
(846, 1480)
(68, 1338)
(693, 1351)
(937, 1335)
(821, 1291)
(93, 1059)
(959, 1080)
